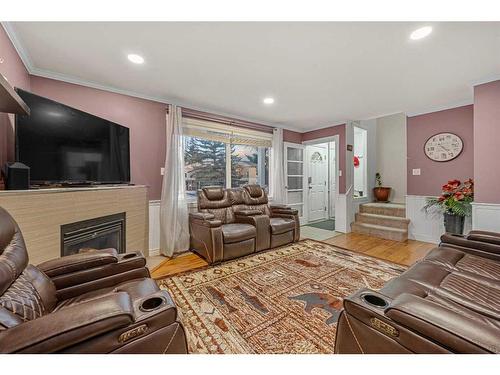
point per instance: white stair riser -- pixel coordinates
(382, 221)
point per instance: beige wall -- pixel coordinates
(391, 154)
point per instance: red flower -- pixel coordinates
(469, 183)
(454, 183)
(458, 196)
(441, 198)
(467, 191)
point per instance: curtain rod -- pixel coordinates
(207, 116)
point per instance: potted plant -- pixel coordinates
(455, 204)
(381, 193)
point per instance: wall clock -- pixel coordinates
(443, 147)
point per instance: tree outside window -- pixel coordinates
(206, 161)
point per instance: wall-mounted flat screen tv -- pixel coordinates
(62, 144)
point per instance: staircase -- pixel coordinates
(383, 220)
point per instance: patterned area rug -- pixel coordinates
(285, 300)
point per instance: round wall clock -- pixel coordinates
(443, 147)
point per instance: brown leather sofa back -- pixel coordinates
(25, 292)
(256, 199)
(215, 200)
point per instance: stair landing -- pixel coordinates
(382, 220)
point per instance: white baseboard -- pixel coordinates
(427, 227)
(154, 228)
(486, 216)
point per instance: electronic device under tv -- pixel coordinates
(63, 145)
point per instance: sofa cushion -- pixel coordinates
(238, 232)
(451, 275)
(281, 225)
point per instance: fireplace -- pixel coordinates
(99, 233)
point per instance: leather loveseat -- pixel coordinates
(236, 222)
(93, 302)
(449, 302)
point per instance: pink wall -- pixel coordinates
(13, 69)
(435, 174)
(146, 120)
(329, 132)
(487, 142)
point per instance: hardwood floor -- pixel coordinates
(405, 253)
(181, 263)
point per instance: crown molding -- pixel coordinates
(21, 51)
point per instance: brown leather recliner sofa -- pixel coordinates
(236, 222)
(93, 302)
(449, 302)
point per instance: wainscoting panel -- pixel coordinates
(341, 224)
(423, 226)
(427, 227)
(486, 216)
(154, 228)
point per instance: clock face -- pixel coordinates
(443, 147)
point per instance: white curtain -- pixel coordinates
(174, 227)
(278, 181)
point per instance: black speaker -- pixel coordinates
(17, 176)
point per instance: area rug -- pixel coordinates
(285, 300)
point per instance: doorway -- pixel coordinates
(321, 182)
(311, 171)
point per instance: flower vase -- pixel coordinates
(453, 223)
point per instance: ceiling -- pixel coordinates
(320, 74)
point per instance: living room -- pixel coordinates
(250, 187)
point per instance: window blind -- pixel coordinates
(225, 133)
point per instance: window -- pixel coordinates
(215, 156)
(249, 165)
(204, 164)
(360, 163)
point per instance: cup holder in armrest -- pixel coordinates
(374, 300)
(152, 304)
(129, 255)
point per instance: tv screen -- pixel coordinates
(64, 145)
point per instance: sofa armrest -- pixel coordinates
(77, 262)
(287, 211)
(282, 209)
(248, 212)
(453, 330)
(69, 326)
(201, 215)
(204, 218)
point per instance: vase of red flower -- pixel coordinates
(455, 204)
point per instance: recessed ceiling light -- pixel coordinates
(136, 59)
(268, 100)
(421, 33)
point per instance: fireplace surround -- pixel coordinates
(98, 233)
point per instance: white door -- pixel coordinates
(332, 155)
(294, 172)
(317, 159)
